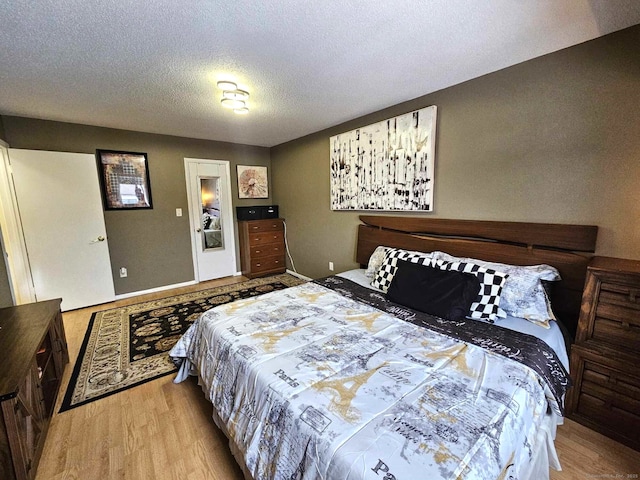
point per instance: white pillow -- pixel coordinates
(375, 261)
(523, 294)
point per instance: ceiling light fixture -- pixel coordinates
(233, 97)
(226, 85)
(236, 94)
(232, 103)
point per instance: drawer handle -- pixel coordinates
(633, 295)
(257, 251)
(275, 236)
(255, 227)
(257, 264)
(277, 261)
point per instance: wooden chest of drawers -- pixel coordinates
(262, 249)
(34, 354)
(605, 358)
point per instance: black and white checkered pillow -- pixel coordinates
(385, 274)
(486, 307)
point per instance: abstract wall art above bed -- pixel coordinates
(387, 165)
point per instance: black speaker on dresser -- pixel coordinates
(258, 212)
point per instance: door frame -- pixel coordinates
(13, 243)
(193, 219)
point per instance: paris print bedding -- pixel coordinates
(322, 381)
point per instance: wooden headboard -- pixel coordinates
(566, 247)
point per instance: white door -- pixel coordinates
(211, 218)
(60, 207)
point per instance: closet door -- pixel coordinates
(60, 207)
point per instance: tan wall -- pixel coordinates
(154, 245)
(555, 139)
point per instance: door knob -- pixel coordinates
(198, 230)
(99, 239)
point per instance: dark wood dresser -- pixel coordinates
(605, 359)
(262, 247)
(34, 354)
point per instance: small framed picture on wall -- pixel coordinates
(252, 182)
(124, 180)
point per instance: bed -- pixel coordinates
(331, 380)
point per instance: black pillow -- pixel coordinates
(444, 293)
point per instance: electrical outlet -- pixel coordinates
(123, 272)
(178, 212)
(331, 266)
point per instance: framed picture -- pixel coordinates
(387, 165)
(252, 182)
(124, 179)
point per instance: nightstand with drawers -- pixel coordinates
(262, 249)
(605, 359)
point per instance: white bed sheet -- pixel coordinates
(551, 336)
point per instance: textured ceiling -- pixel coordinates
(152, 65)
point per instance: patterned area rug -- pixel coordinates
(127, 346)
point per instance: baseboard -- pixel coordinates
(154, 290)
(299, 275)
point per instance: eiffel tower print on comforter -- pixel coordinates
(313, 384)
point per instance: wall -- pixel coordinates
(154, 245)
(555, 139)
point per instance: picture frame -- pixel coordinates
(124, 180)
(252, 181)
(385, 166)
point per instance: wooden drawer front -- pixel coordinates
(270, 249)
(610, 399)
(604, 382)
(269, 263)
(265, 237)
(265, 225)
(617, 316)
(625, 295)
(610, 311)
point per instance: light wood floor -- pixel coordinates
(160, 430)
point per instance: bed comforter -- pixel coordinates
(315, 382)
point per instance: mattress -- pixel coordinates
(320, 381)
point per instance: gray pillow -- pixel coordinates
(375, 261)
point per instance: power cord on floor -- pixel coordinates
(286, 246)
